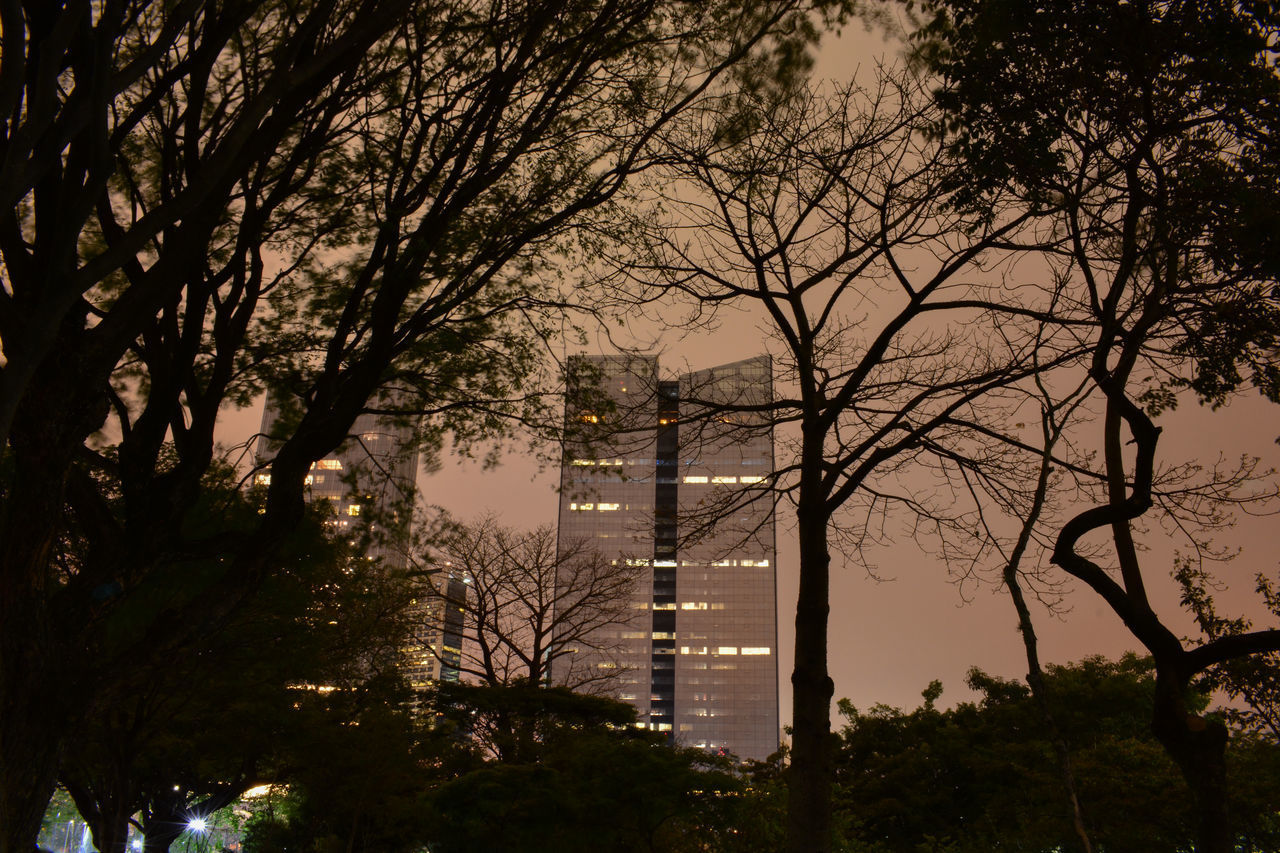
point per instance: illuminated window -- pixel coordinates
(664, 635)
(724, 479)
(306, 481)
(354, 509)
(693, 650)
(583, 462)
(263, 479)
(668, 605)
(756, 650)
(590, 418)
(633, 635)
(727, 650)
(577, 506)
(607, 507)
(749, 480)
(664, 564)
(329, 465)
(695, 479)
(693, 605)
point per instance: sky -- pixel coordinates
(892, 634)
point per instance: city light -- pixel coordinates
(197, 824)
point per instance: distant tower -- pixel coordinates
(666, 485)
(373, 475)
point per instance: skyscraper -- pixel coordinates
(670, 475)
(371, 477)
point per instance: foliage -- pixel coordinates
(983, 776)
(585, 778)
(191, 734)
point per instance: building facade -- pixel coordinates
(672, 478)
(371, 479)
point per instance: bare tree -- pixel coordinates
(894, 367)
(534, 606)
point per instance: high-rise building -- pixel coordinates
(371, 478)
(672, 476)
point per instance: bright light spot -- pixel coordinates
(197, 824)
(258, 791)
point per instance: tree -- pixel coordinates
(1154, 155)
(191, 735)
(589, 779)
(531, 603)
(824, 210)
(332, 196)
(981, 776)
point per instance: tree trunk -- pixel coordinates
(31, 734)
(812, 759)
(1198, 746)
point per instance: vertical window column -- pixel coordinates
(663, 674)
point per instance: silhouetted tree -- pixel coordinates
(1153, 151)
(333, 196)
(824, 213)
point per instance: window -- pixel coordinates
(750, 480)
(692, 605)
(695, 479)
(329, 465)
(607, 507)
(727, 650)
(724, 480)
(756, 650)
(353, 509)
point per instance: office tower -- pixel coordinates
(371, 478)
(669, 476)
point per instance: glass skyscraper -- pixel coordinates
(671, 477)
(372, 477)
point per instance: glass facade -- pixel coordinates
(675, 474)
(371, 479)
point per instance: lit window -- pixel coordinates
(606, 665)
(590, 418)
(727, 650)
(263, 479)
(695, 479)
(607, 507)
(582, 462)
(693, 605)
(664, 564)
(756, 650)
(663, 727)
(693, 650)
(329, 465)
(306, 481)
(724, 479)
(750, 480)
(577, 506)
(664, 635)
(633, 635)
(354, 509)
(667, 605)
